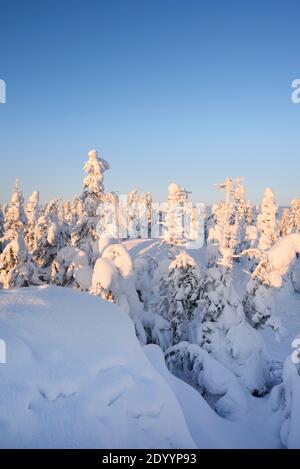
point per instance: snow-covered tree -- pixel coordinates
(177, 198)
(76, 209)
(266, 221)
(109, 219)
(16, 266)
(145, 268)
(229, 229)
(177, 193)
(259, 305)
(138, 214)
(216, 383)
(58, 233)
(70, 268)
(240, 215)
(227, 226)
(106, 280)
(32, 213)
(225, 333)
(42, 252)
(1, 226)
(294, 222)
(84, 233)
(284, 224)
(49, 236)
(274, 264)
(114, 280)
(52, 210)
(179, 295)
(15, 217)
(268, 275)
(32, 208)
(66, 213)
(93, 182)
(249, 213)
(251, 231)
(216, 294)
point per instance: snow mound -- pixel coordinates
(76, 377)
(207, 428)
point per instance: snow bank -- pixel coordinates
(207, 428)
(220, 387)
(76, 376)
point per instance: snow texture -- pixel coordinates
(76, 376)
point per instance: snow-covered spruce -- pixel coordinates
(216, 383)
(70, 268)
(179, 294)
(49, 237)
(273, 265)
(15, 219)
(95, 168)
(266, 221)
(208, 320)
(17, 268)
(294, 219)
(84, 233)
(1, 226)
(32, 213)
(225, 333)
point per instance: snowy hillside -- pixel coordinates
(76, 376)
(212, 295)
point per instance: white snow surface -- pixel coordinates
(207, 428)
(76, 376)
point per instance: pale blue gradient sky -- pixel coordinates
(192, 91)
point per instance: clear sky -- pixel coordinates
(185, 90)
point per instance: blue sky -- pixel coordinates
(190, 91)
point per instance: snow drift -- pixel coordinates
(76, 376)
